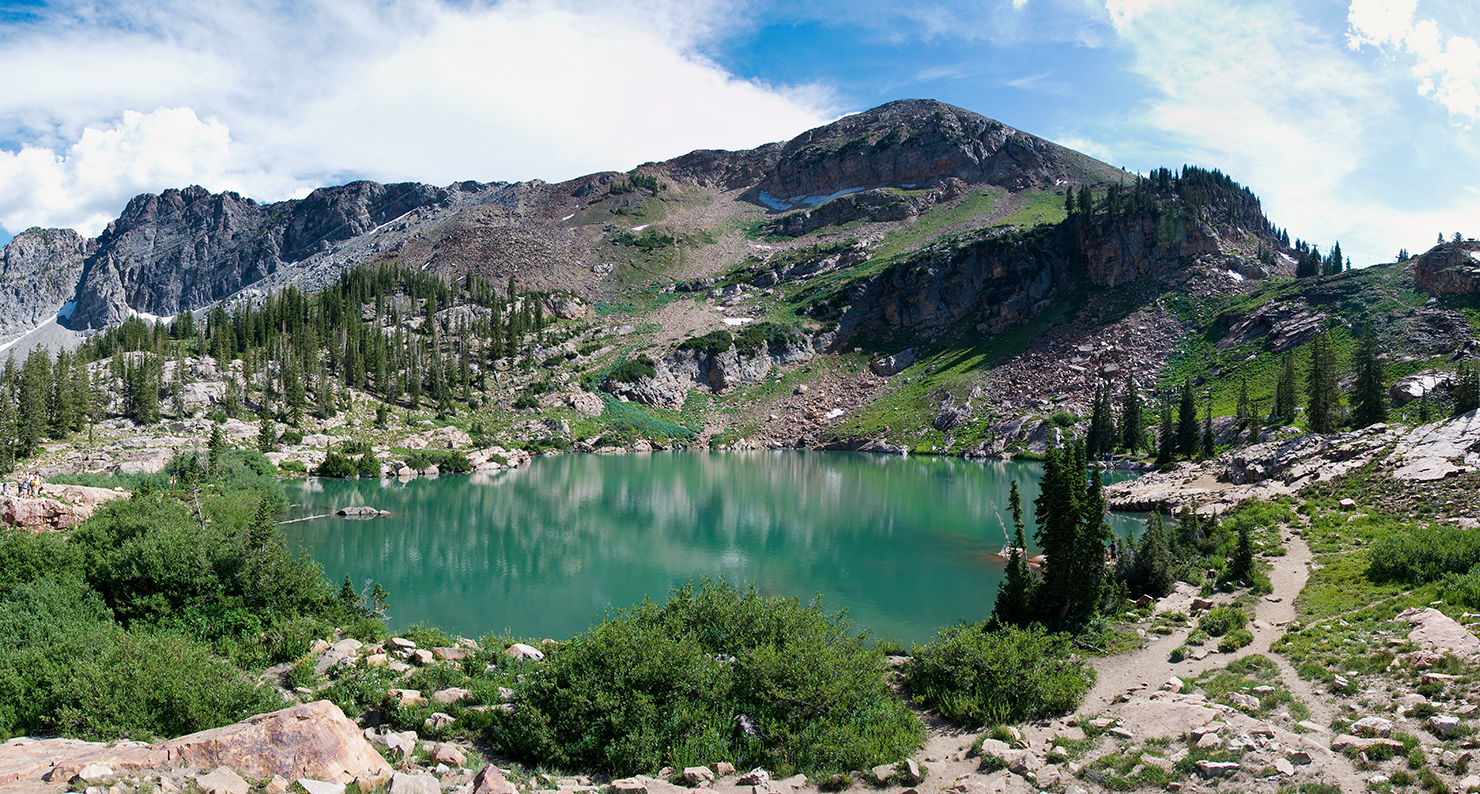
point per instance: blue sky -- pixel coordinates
(1352, 119)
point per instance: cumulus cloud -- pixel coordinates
(1447, 68)
(271, 100)
(1274, 99)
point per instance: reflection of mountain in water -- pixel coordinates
(905, 544)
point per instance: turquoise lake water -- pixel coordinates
(905, 544)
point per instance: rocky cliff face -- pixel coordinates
(1449, 268)
(184, 249)
(38, 273)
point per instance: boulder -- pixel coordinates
(895, 364)
(1373, 726)
(1244, 701)
(697, 776)
(449, 754)
(404, 783)
(490, 780)
(406, 697)
(450, 695)
(438, 720)
(320, 787)
(521, 651)
(1432, 629)
(755, 777)
(1212, 769)
(223, 781)
(1443, 724)
(452, 654)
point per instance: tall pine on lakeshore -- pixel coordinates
(1285, 391)
(1132, 424)
(1014, 604)
(1070, 510)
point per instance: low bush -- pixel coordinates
(447, 461)
(1423, 554)
(710, 344)
(633, 370)
(714, 674)
(1005, 676)
(1222, 619)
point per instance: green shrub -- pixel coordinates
(69, 668)
(1222, 619)
(293, 467)
(633, 370)
(1006, 676)
(291, 438)
(1235, 639)
(710, 344)
(447, 461)
(714, 674)
(1062, 419)
(1423, 554)
(337, 465)
(752, 338)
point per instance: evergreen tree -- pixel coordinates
(1423, 408)
(1369, 393)
(1101, 435)
(1466, 390)
(1245, 412)
(1241, 562)
(1149, 568)
(1322, 396)
(1132, 425)
(1209, 443)
(9, 429)
(1014, 592)
(1072, 532)
(1285, 391)
(62, 409)
(35, 378)
(1165, 438)
(267, 438)
(215, 448)
(295, 392)
(1187, 422)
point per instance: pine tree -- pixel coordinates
(1285, 391)
(1241, 562)
(1150, 568)
(267, 438)
(1187, 422)
(1165, 438)
(63, 411)
(1209, 443)
(1322, 397)
(1369, 395)
(35, 378)
(1466, 390)
(1245, 412)
(1014, 592)
(215, 449)
(1071, 532)
(1423, 408)
(295, 392)
(1132, 427)
(1101, 435)
(9, 429)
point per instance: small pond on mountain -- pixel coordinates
(906, 545)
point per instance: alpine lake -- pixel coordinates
(905, 544)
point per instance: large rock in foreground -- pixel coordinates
(314, 741)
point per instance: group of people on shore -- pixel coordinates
(26, 485)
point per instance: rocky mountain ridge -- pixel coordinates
(185, 249)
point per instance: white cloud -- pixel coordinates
(1093, 148)
(1276, 101)
(339, 89)
(1448, 69)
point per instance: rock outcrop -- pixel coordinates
(1449, 268)
(312, 741)
(38, 274)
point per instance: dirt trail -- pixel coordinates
(1151, 666)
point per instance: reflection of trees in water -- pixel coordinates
(876, 533)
